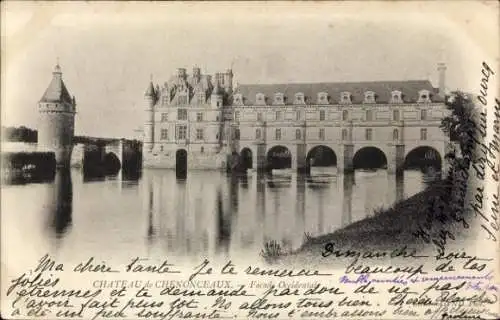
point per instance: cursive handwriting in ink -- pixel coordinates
(47, 264)
(136, 265)
(202, 269)
(89, 266)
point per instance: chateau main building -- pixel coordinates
(200, 121)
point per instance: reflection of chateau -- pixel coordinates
(198, 121)
(213, 214)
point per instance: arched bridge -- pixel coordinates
(108, 154)
(395, 154)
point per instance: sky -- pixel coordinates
(108, 51)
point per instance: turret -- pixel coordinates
(57, 120)
(149, 100)
(217, 93)
(228, 81)
(442, 79)
(196, 74)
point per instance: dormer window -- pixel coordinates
(396, 97)
(260, 99)
(345, 97)
(164, 100)
(238, 99)
(322, 98)
(369, 97)
(299, 98)
(424, 96)
(279, 98)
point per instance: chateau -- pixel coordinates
(200, 121)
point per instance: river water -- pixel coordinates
(207, 214)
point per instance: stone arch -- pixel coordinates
(369, 157)
(111, 163)
(278, 157)
(246, 157)
(321, 156)
(422, 157)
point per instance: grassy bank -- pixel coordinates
(415, 222)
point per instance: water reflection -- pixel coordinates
(208, 213)
(59, 203)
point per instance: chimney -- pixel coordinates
(442, 78)
(181, 73)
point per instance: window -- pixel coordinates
(369, 97)
(257, 133)
(344, 134)
(423, 114)
(199, 116)
(202, 149)
(164, 100)
(164, 134)
(424, 96)
(237, 116)
(218, 103)
(279, 115)
(260, 98)
(182, 114)
(322, 97)
(322, 115)
(396, 97)
(259, 116)
(181, 132)
(368, 134)
(199, 134)
(298, 134)
(279, 98)
(395, 115)
(161, 148)
(237, 134)
(277, 134)
(395, 134)
(423, 134)
(321, 134)
(345, 115)
(299, 98)
(345, 97)
(182, 99)
(164, 117)
(201, 97)
(369, 115)
(297, 115)
(238, 99)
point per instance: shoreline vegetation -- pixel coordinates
(432, 217)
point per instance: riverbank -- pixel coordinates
(414, 222)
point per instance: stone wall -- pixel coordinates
(195, 160)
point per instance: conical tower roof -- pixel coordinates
(57, 91)
(150, 91)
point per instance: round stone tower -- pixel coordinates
(57, 120)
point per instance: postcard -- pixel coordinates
(250, 160)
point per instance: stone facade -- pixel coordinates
(211, 120)
(57, 120)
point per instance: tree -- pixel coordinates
(460, 125)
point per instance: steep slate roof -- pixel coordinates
(382, 91)
(57, 91)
